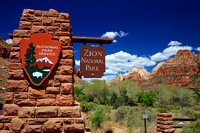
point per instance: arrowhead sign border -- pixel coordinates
(39, 55)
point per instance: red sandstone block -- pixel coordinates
(38, 13)
(25, 102)
(8, 98)
(10, 109)
(52, 28)
(16, 42)
(16, 74)
(67, 54)
(15, 49)
(165, 122)
(53, 125)
(66, 88)
(66, 70)
(36, 93)
(74, 120)
(46, 112)
(64, 16)
(64, 100)
(63, 78)
(31, 19)
(16, 86)
(26, 112)
(47, 22)
(24, 25)
(69, 62)
(39, 29)
(62, 33)
(165, 118)
(164, 126)
(34, 129)
(21, 95)
(7, 126)
(46, 102)
(65, 27)
(52, 90)
(21, 33)
(44, 13)
(15, 55)
(53, 13)
(50, 96)
(15, 66)
(74, 128)
(65, 40)
(61, 21)
(164, 114)
(6, 119)
(37, 23)
(1, 126)
(37, 121)
(56, 24)
(74, 111)
(28, 13)
(67, 48)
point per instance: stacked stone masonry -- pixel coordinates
(49, 107)
(165, 123)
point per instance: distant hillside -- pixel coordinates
(182, 70)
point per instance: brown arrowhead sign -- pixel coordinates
(39, 56)
(92, 61)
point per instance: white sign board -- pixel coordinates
(145, 116)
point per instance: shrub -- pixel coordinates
(128, 116)
(87, 106)
(197, 96)
(195, 129)
(124, 93)
(98, 117)
(147, 98)
(173, 95)
(162, 110)
(97, 92)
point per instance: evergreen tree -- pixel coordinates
(30, 52)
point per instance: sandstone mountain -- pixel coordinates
(5, 49)
(183, 70)
(136, 74)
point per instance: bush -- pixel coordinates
(128, 116)
(87, 106)
(97, 92)
(147, 98)
(162, 110)
(173, 95)
(197, 96)
(195, 129)
(124, 93)
(98, 117)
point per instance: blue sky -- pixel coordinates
(146, 31)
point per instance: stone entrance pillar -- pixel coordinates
(49, 107)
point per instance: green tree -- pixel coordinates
(30, 52)
(147, 98)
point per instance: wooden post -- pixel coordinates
(145, 127)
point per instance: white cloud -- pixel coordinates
(198, 49)
(168, 52)
(9, 41)
(174, 43)
(77, 62)
(123, 62)
(115, 34)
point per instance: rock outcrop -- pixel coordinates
(183, 63)
(5, 49)
(136, 74)
(77, 76)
